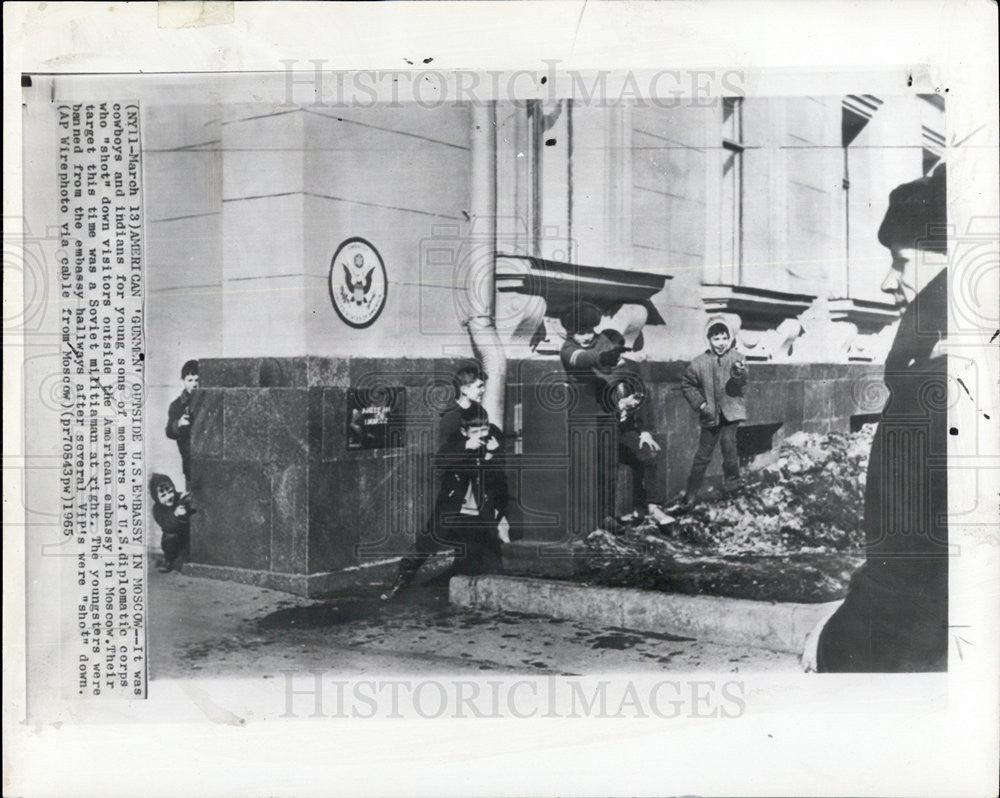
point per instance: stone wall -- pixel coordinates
(781, 399)
(282, 501)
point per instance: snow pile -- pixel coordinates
(810, 500)
(792, 532)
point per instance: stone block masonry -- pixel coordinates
(282, 502)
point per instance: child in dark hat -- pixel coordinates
(179, 417)
(582, 353)
(625, 397)
(172, 512)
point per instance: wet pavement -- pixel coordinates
(208, 627)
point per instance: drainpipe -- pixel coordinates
(480, 283)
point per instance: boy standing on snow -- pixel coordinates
(713, 385)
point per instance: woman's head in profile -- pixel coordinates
(914, 231)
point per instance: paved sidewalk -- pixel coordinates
(211, 628)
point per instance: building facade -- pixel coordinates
(305, 253)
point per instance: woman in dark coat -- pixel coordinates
(895, 616)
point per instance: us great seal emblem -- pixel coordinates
(357, 282)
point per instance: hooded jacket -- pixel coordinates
(165, 517)
(709, 380)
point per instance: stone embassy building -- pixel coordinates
(321, 263)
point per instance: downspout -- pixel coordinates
(480, 282)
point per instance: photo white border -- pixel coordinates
(870, 735)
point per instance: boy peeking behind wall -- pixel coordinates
(172, 512)
(179, 417)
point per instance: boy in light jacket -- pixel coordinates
(713, 385)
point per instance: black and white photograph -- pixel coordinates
(406, 399)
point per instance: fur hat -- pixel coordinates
(918, 214)
(580, 318)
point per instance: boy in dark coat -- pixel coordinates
(471, 501)
(625, 397)
(470, 386)
(591, 427)
(179, 417)
(713, 385)
(172, 513)
(582, 355)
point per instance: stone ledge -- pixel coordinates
(738, 622)
(379, 573)
(540, 559)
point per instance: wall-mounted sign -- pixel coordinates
(375, 417)
(358, 283)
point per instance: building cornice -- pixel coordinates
(868, 315)
(563, 284)
(756, 307)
